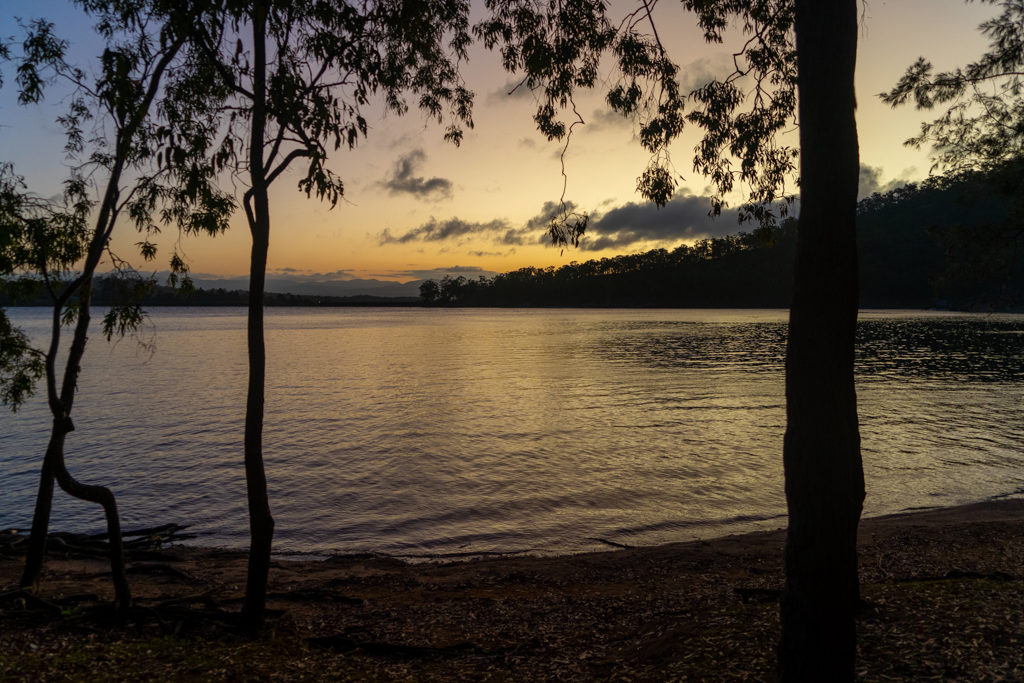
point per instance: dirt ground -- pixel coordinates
(943, 598)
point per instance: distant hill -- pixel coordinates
(314, 286)
(109, 291)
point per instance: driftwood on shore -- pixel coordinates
(65, 544)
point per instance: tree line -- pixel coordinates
(114, 291)
(935, 244)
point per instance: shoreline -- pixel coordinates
(181, 538)
(1005, 509)
(943, 591)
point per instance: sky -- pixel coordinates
(417, 207)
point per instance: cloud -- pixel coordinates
(403, 141)
(437, 273)
(700, 72)
(436, 231)
(511, 90)
(536, 228)
(305, 274)
(870, 181)
(481, 254)
(499, 230)
(684, 217)
(548, 212)
(513, 237)
(607, 119)
(402, 179)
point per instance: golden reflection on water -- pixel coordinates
(419, 431)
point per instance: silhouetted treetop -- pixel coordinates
(556, 48)
(983, 125)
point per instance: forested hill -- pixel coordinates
(920, 246)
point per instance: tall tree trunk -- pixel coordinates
(261, 523)
(824, 476)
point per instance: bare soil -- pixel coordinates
(943, 598)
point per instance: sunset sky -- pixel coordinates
(418, 207)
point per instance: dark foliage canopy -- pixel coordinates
(556, 49)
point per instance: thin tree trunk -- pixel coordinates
(44, 496)
(824, 476)
(54, 466)
(40, 522)
(261, 523)
(61, 402)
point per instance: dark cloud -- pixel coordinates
(403, 141)
(307, 274)
(548, 213)
(513, 237)
(436, 231)
(536, 228)
(871, 181)
(404, 181)
(342, 274)
(685, 217)
(500, 231)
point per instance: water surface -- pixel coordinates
(433, 432)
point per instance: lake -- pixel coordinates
(440, 432)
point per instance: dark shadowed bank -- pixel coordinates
(942, 589)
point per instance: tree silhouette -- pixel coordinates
(557, 47)
(55, 246)
(290, 80)
(984, 101)
(824, 475)
(978, 141)
(21, 365)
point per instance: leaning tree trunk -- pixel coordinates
(824, 476)
(61, 403)
(261, 523)
(54, 466)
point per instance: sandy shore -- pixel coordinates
(944, 592)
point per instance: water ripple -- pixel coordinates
(443, 433)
